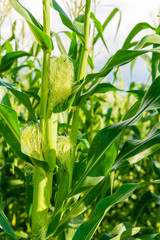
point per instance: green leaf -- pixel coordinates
(99, 170)
(4, 97)
(105, 137)
(90, 62)
(135, 150)
(137, 93)
(8, 59)
(96, 88)
(22, 235)
(125, 230)
(122, 57)
(139, 27)
(8, 47)
(80, 206)
(66, 20)
(106, 22)
(155, 59)
(103, 88)
(5, 226)
(21, 96)
(121, 228)
(60, 44)
(43, 39)
(87, 93)
(99, 28)
(148, 40)
(3, 47)
(79, 23)
(9, 129)
(73, 47)
(139, 233)
(72, 227)
(156, 167)
(133, 110)
(88, 228)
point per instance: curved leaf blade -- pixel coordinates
(139, 27)
(109, 18)
(148, 40)
(81, 205)
(99, 28)
(103, 88)
(43, 39)
(99, 170)
(9, 129)
(96, 88)
(21, 96)
(105, 137)
(66, 20)
(8, 59)
(135, 150)
(139, 233)
(122, 57)
(60, 44)
(88, 228)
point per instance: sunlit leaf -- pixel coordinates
(105, 137)
(21, 96)
(88, 228)
(107, 21)
(139, 27)
(135, 150)
(9, 129)
(8, 59)
(99, 28)
(36, 28)
(66, 20)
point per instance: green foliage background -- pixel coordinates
(101, 105)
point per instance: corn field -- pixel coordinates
(79, 154)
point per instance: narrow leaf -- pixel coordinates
(21, 96)
(43, 39)
(99, 170)
(88, 228)
(135, 150)
(106, 22)
(81, 205)
(99, 28)
(139, 233)
(105, 137)
(121, 57)
(9, 129)
(66, 20)
(60, 44)
(139, 27)
(8, 59)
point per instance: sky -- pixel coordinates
(133, 12)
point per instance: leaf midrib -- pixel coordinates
(10, 126)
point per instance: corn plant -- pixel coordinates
(73, 172)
